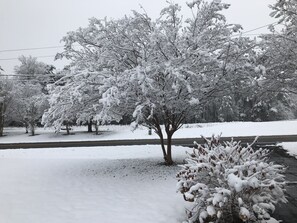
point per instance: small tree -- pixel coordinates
(35, 72)
(230, 183)
(27, 105)
(5, 99)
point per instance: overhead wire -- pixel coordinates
(16, 58)
(33, 48)
(60, 46)
(251, 30)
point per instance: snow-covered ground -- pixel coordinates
(103, 184)
(291, 148)
(78, 185)
(112, 132)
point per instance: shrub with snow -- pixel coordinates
(230, 183)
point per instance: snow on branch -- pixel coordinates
(230, 183)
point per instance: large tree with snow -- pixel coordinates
(160, 70)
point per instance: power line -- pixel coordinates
(261, 27)
(60, 46)
(33, 48)
(28, 75)
(16, 58)
(251, 30)
(55, 47)
(22, 75)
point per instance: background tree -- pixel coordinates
(74, 99)
(5, 99)
(277, 66)
(29, 94)
(34, 71)
(28, 105)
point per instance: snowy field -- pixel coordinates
(112, 132)
(79, 185)
(103, 184)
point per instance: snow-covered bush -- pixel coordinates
(230, 183)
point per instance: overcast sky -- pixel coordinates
(41, 23)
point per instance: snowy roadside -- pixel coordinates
(113, 132)
(291, 148)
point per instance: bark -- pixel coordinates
(169, 160)
(26, 127)
(160, 134)
(32, 129)
(67, 129)
(1, 124)
(155, 124)
(96, 128)
(172, 124)
(90, 126)
(1, 119)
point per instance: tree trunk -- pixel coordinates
(96, 128)
(160, 134)
(166, 151)
(169, 160)
(32, 129)
(1, 124)
(90, 126)
(1, 119)
(67, 129)
(26, 127)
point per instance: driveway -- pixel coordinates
(287, 212)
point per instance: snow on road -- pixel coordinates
(77, 185)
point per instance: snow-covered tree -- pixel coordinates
(5, 99)
(285, 11)
(230, 183)
(74, 98)
(27, 105)
(29, 99)
(33, 71)
(278, 86)
(159, 70)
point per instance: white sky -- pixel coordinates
(40, 23)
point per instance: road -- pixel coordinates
(287, 212)
(263, 140)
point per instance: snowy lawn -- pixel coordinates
(112, 132)
(89, 185)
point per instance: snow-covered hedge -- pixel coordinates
(230, 183)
